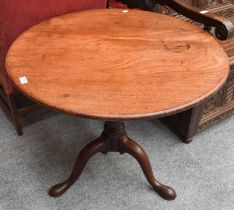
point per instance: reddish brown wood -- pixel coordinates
(83, 157)
(114, 139)
(117, 66)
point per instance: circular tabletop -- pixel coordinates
(117, 64)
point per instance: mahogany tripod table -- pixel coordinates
(117, 65)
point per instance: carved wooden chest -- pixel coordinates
(218, 106)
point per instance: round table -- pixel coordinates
(117, 65)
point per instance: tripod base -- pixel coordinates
(114, 139)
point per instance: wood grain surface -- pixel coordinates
(115, 65)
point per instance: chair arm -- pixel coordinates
(224, 28)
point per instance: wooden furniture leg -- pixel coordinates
(16, 105)
(8, 104)
(114, 139)
(82, 159)
(131, 147)
(15, 115)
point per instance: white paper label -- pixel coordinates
(204, 11)
(23, 80)
(125, 11)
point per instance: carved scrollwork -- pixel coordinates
(226, 13)
(207, 4)
(225, 30)
(223, 97)
(230, 87)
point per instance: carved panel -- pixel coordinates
(226, 94)
(205, 4)
(215, 102)
(226, 13)
(222, 103)
(219, 106)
